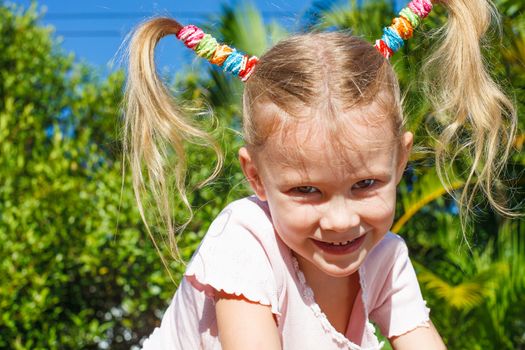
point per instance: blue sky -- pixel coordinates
(94, 30)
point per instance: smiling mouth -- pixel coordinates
(339, 248)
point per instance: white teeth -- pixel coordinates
(341, 243)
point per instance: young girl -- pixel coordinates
(309, 262)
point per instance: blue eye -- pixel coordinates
(363, 184)
(306, 189)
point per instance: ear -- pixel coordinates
(404, 150)
(252, 174)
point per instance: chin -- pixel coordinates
(344, 267)
(340, 273)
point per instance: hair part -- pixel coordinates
(328, 71)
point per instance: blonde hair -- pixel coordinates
(299, 72)
(480, 120)
(154, 125)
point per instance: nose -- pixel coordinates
(339, 215)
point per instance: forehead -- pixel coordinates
(358, 137)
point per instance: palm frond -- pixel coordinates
(365, 18)
(427, 189)
(468, 294)
(243, 27)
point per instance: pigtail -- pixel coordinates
(155, 126)
(479, 120)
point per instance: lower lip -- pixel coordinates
(340, 249)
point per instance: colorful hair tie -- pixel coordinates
(206, 46)
(403, 27)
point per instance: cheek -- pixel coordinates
(380, 217)
(380, 209)
(387, 217)
(292, 219)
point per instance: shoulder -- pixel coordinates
(250, 204)
(394, 298)
(249, 213)
(382, 266)
(237, 255)
(242, 225)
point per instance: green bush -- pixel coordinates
(76, 267)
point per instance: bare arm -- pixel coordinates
(419, 338)
(244, 325)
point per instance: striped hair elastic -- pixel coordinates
(402, 27)
(206, 46)
(242, 65)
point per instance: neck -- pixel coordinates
(334, 295)
(321, 282)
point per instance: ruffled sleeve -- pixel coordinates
(233, 257)
(399, 307)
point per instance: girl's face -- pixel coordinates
(333, 206)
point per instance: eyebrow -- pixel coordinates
(299, 177)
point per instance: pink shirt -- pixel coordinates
(241, 254)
